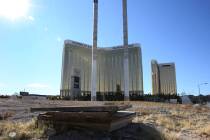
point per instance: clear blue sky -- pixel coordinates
(168, 30)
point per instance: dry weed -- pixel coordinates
(176, 119)
(170, 135)
(22, 130)
(204, 130)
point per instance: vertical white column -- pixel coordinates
(125, 39)
(94, 52)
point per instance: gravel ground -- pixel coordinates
(153, 120)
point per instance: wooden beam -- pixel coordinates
(103, 121)
(104, 108)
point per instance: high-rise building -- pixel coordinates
(155, 78)
(89, 69)
(163, 78)
(76, 69)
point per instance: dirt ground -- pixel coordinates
(152, 121)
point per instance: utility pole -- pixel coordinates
(125, 43)
(94, 51)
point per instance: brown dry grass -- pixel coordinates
(204, 130)
(23, 130)
(174, 120)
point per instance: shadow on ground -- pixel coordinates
(134, 131)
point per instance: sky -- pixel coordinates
(32, 37)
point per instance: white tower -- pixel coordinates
(94, 52)
(125, 39)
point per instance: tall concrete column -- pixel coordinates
(94, 52)
(125, 40)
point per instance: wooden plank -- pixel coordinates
(101, 117)
(87, 125)
(121, 119)
(86, 116)
(106, 126)
(104, 108)
(102, 121)
(123, 114)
